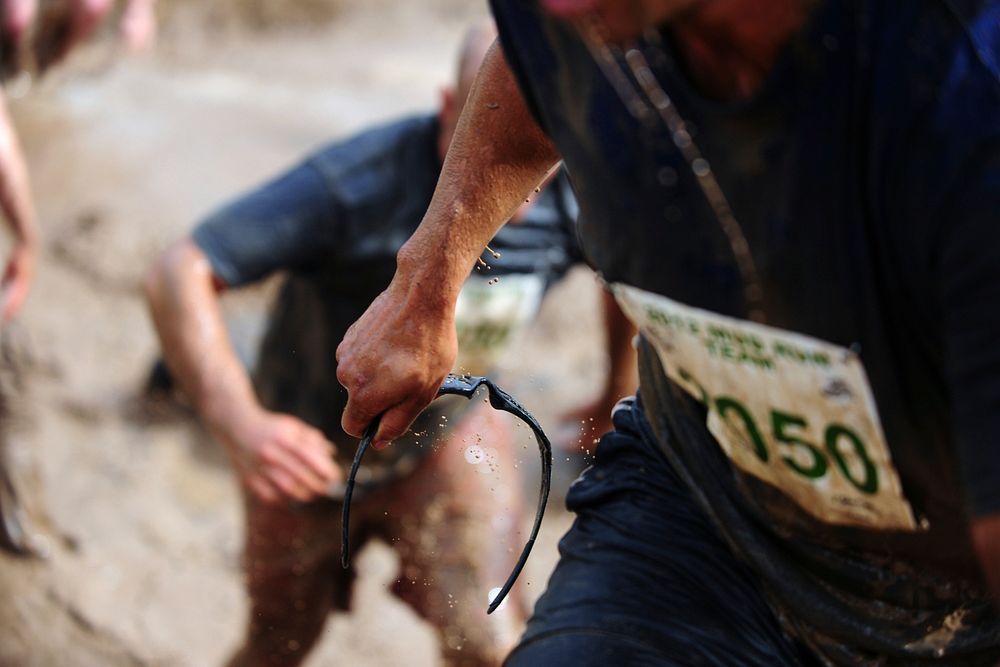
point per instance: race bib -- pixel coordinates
(490, 311)
(792, 410)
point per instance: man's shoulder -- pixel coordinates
(971, 85)
(368, 162)
(944, 55)
(935, 84)
(388, 137)
(979, 21)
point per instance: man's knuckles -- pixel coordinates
(262, 491)
(287, 485)
(270, 454)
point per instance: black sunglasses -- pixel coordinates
(500, 400)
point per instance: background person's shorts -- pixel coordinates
(644, 578)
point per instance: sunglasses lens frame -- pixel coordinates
(458, 385)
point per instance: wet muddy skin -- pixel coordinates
(454, 528)
(468, 386)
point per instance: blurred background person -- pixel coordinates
(35, 35)
(335, 223)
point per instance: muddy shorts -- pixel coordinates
(644, 578)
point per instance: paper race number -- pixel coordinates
(489, 312)
(792, 410)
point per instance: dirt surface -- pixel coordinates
(140, 517)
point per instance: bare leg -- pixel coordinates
(456, 525)
(293, 574)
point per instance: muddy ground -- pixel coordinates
(137, 510)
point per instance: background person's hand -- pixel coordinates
(280, 458)
(17, 279)
(393, 360)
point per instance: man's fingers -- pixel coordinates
(11, 300)
(356, 418)
(316, 452)
(262, 489)
(16, 281)
(282, 458)
(345, 344)
(288, 485)
(396, 421)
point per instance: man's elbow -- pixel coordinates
(170, 269)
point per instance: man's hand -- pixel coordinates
(392, 361)
(16, 281)
(280, 458)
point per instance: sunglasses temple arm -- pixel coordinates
(545, 451)
(345, 522)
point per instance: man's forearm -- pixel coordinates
(15, 192)
(195, 343)
(496, 159)
(393, 359)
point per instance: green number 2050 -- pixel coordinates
(789, 432)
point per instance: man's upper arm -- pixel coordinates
(506, 15)
(288, 222)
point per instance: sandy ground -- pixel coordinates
(141, 519)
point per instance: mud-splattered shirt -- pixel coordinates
(842, 445)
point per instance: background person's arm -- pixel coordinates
(277, 456)
(393, 359)
(19, 214)
(584, 425)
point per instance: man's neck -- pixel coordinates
(730, 46)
